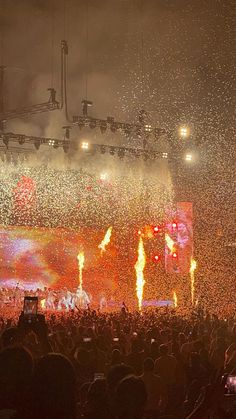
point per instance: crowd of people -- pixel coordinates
(87, 364)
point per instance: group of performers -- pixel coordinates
(50, 299)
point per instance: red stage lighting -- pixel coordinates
(174, 225)
(174, 255)
(156, 258)
(156, 229)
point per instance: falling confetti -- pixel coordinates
(139, 268)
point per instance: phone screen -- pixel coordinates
(30, 306)
(231, 384)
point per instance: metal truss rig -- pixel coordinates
(51, 105)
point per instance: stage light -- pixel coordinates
(184, 132)
(174, 255)
(112, 151)
(139, 232)
(84, 145)
(174, 225)
(156, 229)
(102, 149)
(156, 258)
(104, 176)
(165, 155)
(81, 125)
(21, 139)
(51, 142)
(148, 128)
(92, 124)
(188, 157)
(103, 127)
(121, 153)
(113, 128)
(37, 144)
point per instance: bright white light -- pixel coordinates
(165, 155)
(104, 176)
(188, 157)
(148, 128)
(184, 132)
(84, 145)
(51, 142)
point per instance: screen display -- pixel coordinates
(32, 258)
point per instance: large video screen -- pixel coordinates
(34, 258)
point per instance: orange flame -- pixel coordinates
(106, 240)
(80, 258)
(175, 299)
(170, 243)
(139, 268)
(193, 266)
(43, 303)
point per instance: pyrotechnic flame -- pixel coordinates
(139, 268)
(170, 243)
(106, 240)
(43, 303)
(175, 299)
(80, 258)
(193, 266)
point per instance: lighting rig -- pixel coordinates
(141, 130)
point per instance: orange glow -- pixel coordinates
(175, 299)
(139, 268)
(105, 241)
(192, 269)
(80, 258)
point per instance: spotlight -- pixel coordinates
(188, 157)
(184, 132)
(104, 176)
(165, 155)
(174, 255)
(148, 128)
(103, 127)
(37, 143)
(51, 142)
(174, 225)
(139, 232)
(84, 145)
(156, 258)
(156, 229)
